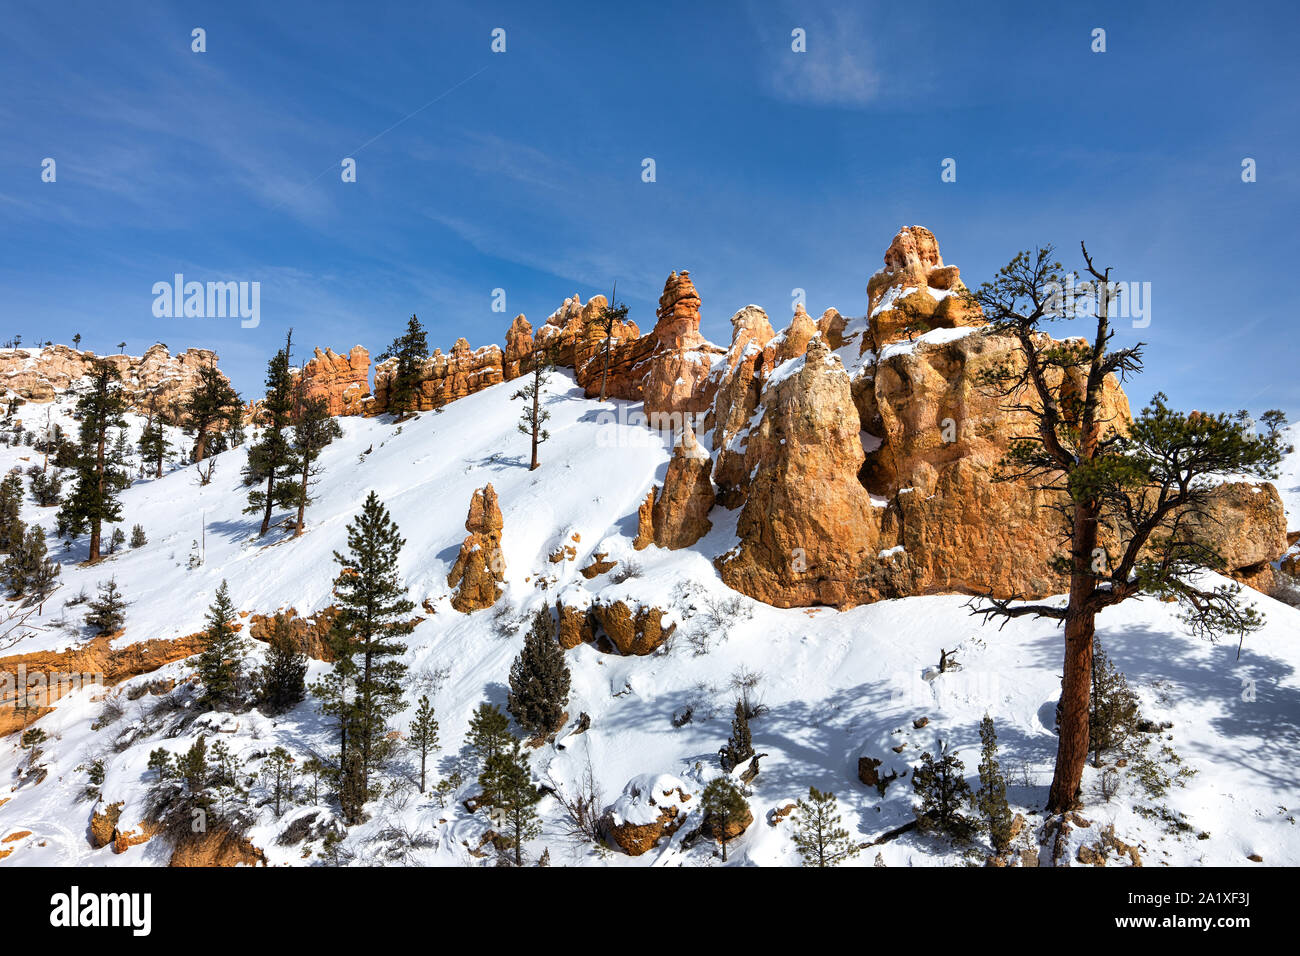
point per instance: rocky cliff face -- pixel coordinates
(444, 378)
(38, 375)
(343, 381)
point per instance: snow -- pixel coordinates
(836, 685)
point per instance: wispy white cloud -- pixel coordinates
(839, 67)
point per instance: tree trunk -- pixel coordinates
(1076, 680)
(537, 389)
(96, 525)
(302, 496)
(270, 488)
(604, 375)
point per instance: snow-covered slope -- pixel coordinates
(837, 685)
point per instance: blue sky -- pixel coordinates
(522, 170)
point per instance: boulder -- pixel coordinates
(637, 630)
(651, 807)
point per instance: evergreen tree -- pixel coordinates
(271, 461)
(116, 540)
(508, 788)
(489, 732)
(819, 838)
(192, 767)
(1114, 708)
(107, 611)
(47, 488)
(411, 350)
(539, 680)
(940, 783)
(281, 681)
(424, 735)
(374, 612)
(313, 429)
(336, 694)
(277, 774)
(605, 321)
(119, 459)
(138, 540)
(221, 658)
(1143, 479)
(153, 444)
(991, 798)
(29, 570)
(739, 746)
(724, 805)
(210, 408)
(353, 789)
(94, 499)
(12, 528)
(534, 417)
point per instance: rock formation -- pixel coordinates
(807, 530)
(650, 808)
(38, 375)
(519, 348)
(915, 290)
(443, 378)
(343, 381)
(480, 566)
(679, 514)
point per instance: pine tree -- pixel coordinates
(116, 540)
(373, 612)
(1142, 478)
(489, 732)
(47, 487)
(12, 528)
(411, 350)
(508, 788)
(940, 783)
(313, 429)
(739, 746)
(94, 499)
(353, 789)
(138, 540)
(211, 407)
(153, 444)
(819, 838)
(119, 459)
(336, 693)
(281, 681)
(991, 798)
(277, 773)
(533, 418)
(724, 805)
(16, 569)
(192, 767)
(539, 680)
(271, 461)
(1113, 706)
(107, 611)
(424, 735)
(221, 659)
(605, 322)
(29, 570)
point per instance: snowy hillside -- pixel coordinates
(837, 686)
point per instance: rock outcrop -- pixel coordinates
(650, 808)
(679, 514)
(915, 291)
(343, 381)
(519, 348)
(480, 566)
(808, 530)
(443, 378)
(158, 377)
